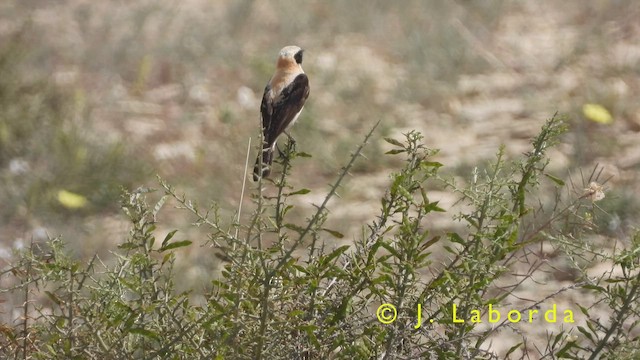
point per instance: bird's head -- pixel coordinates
(290, 56)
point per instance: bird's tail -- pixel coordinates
(263, 169)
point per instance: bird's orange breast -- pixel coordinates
(280, 80)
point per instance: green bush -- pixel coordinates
(286, 292)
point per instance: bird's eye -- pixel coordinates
(298, 56)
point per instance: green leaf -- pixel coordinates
(556, 180)
(434, 164)
(300, 192)
(614, 281)
(130, 320)
(150, 229)
(512, 349)
(335, 233)
(166, 258)
(159, 204)
(450, 249)
(294, 227)
(54, 297)
(286, 209)
(583, 310)
(144, 332)
(304, 155)
(454, 237)
(311, 336)
(335, 253)
(433, 207)
(563, 353)
(594, 287)
(395, 151)
(176, 245)
(391, 249)
(557, 339)
(430, 242)
(301, 269)
(394, 142)
(586, 333)
(497, 300)
(168, 237)
(128, 246)
(374, 250)
(404, 192)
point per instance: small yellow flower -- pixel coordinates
(597, 113)
(71, 200)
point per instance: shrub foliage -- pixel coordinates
(289, 290)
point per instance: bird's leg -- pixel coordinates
(291, 139)
(292, 142)
(290, 147)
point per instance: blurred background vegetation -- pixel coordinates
(96, 96)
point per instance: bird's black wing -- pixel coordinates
(278, 115)
(266, 109)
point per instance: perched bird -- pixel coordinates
(283, 99)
